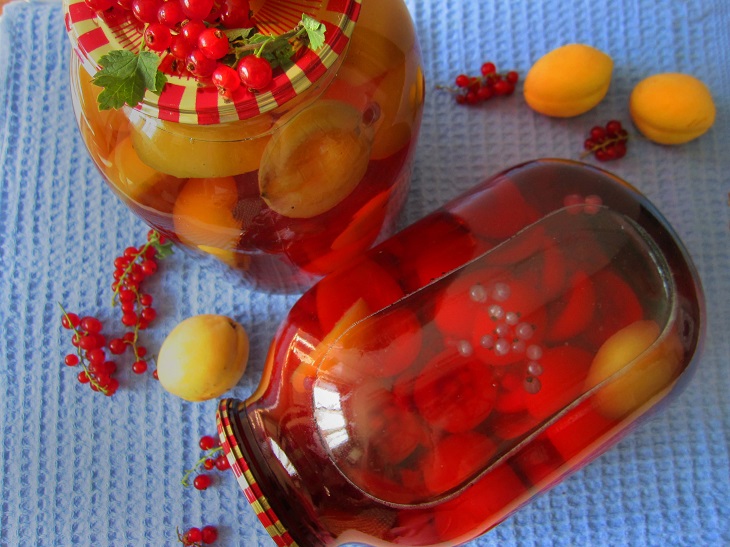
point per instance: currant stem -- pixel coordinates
(198, 464)
(608, 142)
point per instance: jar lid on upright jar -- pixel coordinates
(183, 99)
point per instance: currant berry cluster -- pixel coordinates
(607, 142)
(197, 537)
(90, 354)
(131, 269)
(213, 458)
(473, 90)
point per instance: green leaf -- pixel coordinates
(315, 31)
(126, 76)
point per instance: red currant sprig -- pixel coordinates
(472, 90)
(213, 458)
(196, 537)
(606, 142)
(90, 354)
(131, 270)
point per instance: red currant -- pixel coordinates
(157, 36)
(197, 9)
(207, 442)
(255, 72)
(226, 79)
(199, 65)
(129, 319)
(213, 43)
(149, 266)
(70, 321)
(236, 14)
(139, 367)
(209, 534)
(209, 464)
(180, 47)
(71, 360)
(488, 68)
(462, 80)
(117, 346)
(194, 535)
(91, 325)
(171, 14)
(202, 482)
(221, 463)
(146, 10)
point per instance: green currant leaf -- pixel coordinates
(315, 31)
(126, 77)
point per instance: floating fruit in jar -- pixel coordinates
(404, 412)
(643, 363)
(137, 182)
(203, 216)
(203, 357)
(672, 108)
(568, 81)
(315, 160)
(200, 151)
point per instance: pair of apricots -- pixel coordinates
(668, 108)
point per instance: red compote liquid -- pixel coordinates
(425, 392)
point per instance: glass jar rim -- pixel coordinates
(183, 99)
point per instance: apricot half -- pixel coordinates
(203, 357)
(672, 108)
(315, 160)
(568, 81)
(200, 151)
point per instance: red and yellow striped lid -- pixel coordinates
(245, 478)
(183, 99)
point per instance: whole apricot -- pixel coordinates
(203, 357)
(672, 108)
(568, 81)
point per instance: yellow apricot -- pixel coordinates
(568, 81)
(643, 366)
(200, 151)
(203, 357)
(203, 215)
(672, 108)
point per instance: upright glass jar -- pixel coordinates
(473, 360)
(285, 183)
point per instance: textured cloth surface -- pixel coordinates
(80, 469)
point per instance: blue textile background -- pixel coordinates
(80, 469)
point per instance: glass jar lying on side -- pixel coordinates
(283, 184)
(435, 385)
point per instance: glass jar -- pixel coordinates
(284, 184)
(429, 389)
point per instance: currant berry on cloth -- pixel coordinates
(203, 357)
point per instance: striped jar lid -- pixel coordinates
(183, 99)
(245, 478)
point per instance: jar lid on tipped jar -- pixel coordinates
(186, 100)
